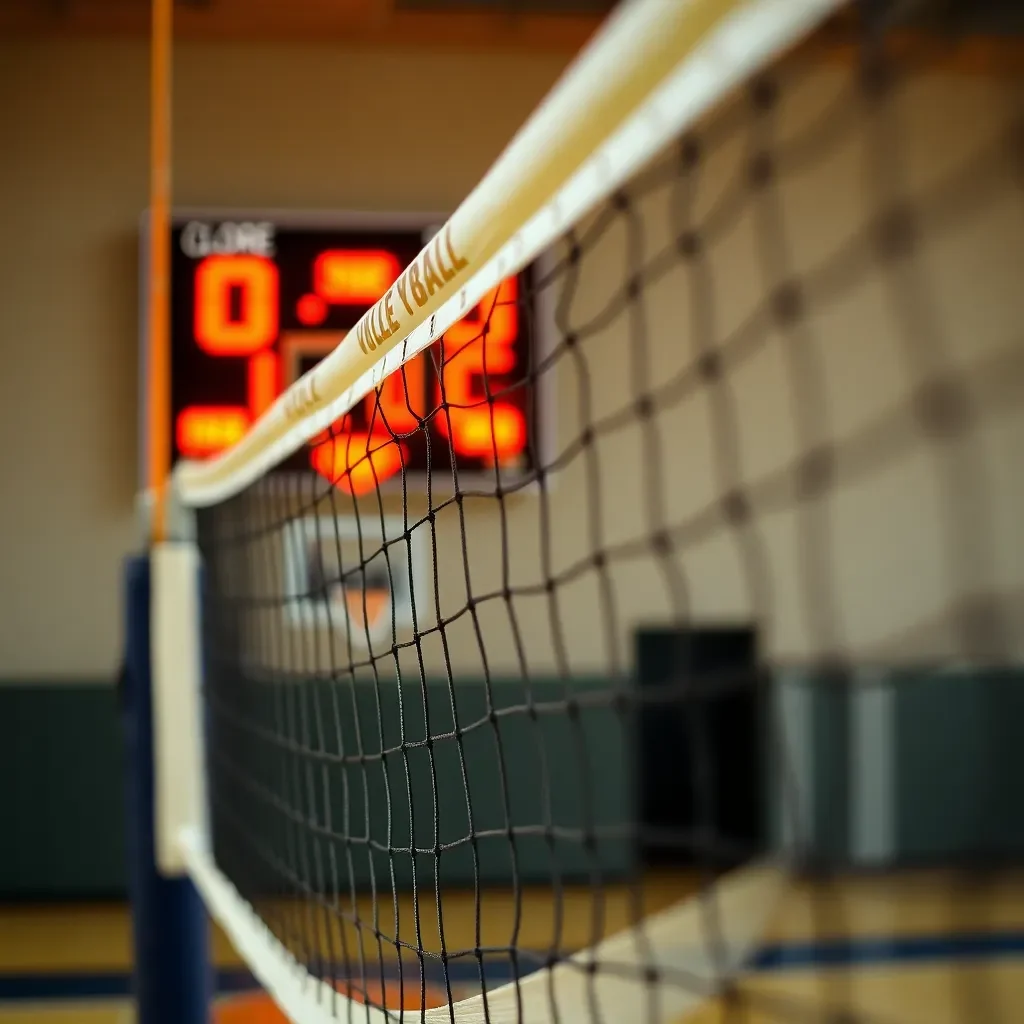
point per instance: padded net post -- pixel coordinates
(172, 972)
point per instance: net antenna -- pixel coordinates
(158, 361)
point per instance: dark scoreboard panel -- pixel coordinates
(257, 301)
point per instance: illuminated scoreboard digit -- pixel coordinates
(257, 301)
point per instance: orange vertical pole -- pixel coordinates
(158, 327)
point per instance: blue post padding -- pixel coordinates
(172, 971)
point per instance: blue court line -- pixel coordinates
(878, 952)
(40, 987)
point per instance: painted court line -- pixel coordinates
(861, 952)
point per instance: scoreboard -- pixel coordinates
(257, 300)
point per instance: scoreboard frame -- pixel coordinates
(541, 328)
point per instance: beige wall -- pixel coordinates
(912, 528)
(279, 126)
(912, 549)
(914, 536)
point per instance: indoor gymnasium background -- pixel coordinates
(847, 507)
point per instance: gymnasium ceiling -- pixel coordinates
(534, 24)
(559, 24)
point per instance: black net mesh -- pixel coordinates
(460, 730)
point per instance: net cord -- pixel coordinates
(651, 73)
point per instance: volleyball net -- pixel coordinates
(765, 257)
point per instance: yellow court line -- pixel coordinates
(68, 1013)
(98, 937)
(900, 904)
(934, 994)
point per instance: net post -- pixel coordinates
(175, 673)
(172, 975)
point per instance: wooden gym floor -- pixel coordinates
(912, 948)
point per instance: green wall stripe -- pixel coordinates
(61, 793)
(830, 738)
(960, 762)
(872, 769)
(955, 759)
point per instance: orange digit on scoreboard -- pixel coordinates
(354, 277)
(201, 431)
(402, 398)
(221, 281)
(481, 347)
(236, 314)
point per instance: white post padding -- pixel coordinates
(176, 667)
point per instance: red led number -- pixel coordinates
(483, 342)
(236, 305)
(204, 430)
(357, 461)
(236, 314)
